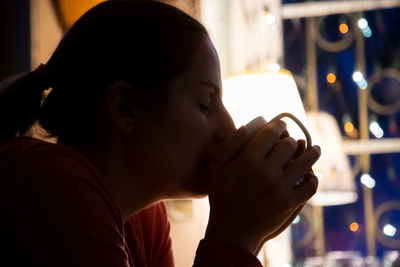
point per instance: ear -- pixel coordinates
(120, 100)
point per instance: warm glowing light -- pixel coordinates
(367, 180)
(274, 67)
(389, 230)
(343, 28)
(264, 94)
(349, 127)
(354, 227)
(72, 10)
(269, 18)
(331, 77)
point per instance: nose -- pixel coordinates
(226, 125)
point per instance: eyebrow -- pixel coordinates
(215, 87)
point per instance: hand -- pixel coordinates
(301, 147)
(252, 189)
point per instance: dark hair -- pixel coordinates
(145, 43)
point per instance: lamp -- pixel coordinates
(336, 183)
(268, 94)
(264, 94)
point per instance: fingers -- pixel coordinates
(285, 134)
(282, 153)
(301, 147)
(302, 164)
(264, 140)
(307, 189)
(285, 225)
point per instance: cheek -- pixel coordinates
(178, 145)
(185, 146)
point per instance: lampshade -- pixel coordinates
(336, 183)
(264, 94)
(269, 94)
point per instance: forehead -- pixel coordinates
(206, 62)
(204, 67)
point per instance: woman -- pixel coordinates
(136, 107)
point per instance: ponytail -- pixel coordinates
(20, 101)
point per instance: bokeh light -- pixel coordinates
(331, 77)
(376, 129)
(269, 18)
(349, 127)
(354, 227)
(357, 76)
(343, 28)
(296, 220)
(367, 180)
(362, 23)
(389, 230)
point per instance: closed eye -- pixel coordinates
(204, 102)
(204, 108)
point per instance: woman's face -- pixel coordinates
(172, 145)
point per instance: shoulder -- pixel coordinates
(35, 160)
(53, 200)
(39, 156)
(52, 173)
(148, 235)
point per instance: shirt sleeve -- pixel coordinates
(216, 253)
(59, 215)
(148, 237)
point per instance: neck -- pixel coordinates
(128, 190)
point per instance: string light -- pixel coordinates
(349, 127)
(358, 78)
(367, 180)
(376, 129)
(364, 27)
(331, 77)
(389, 230)
(343, 28)
(354, 227)
(362, 23)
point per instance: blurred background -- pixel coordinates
(334, 64)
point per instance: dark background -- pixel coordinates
(15, 41)
(382, 50)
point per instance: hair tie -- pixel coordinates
(41, 73)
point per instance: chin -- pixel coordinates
(198, 189)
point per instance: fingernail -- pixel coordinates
(318, 148)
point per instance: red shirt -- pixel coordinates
(57, 211)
